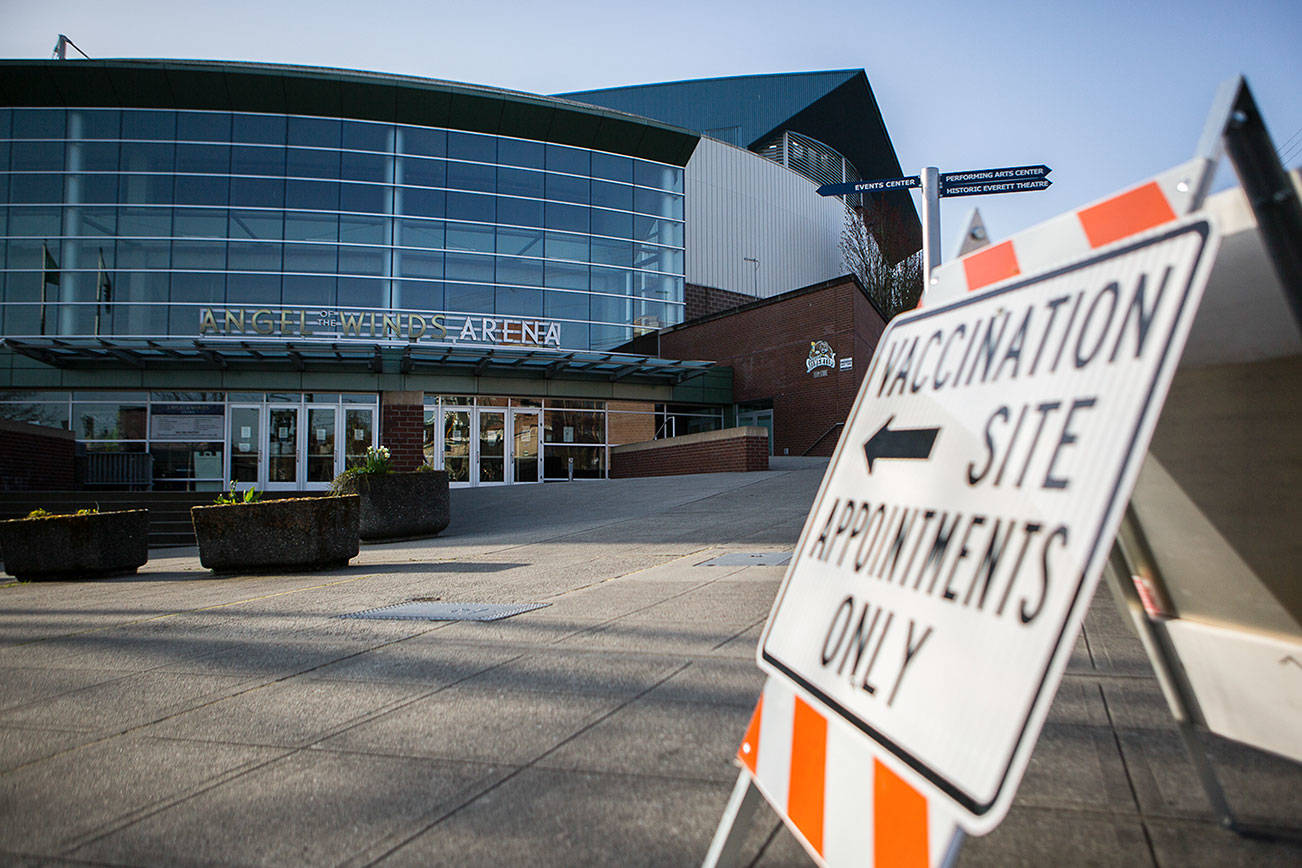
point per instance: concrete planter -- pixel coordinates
(76, 546)
(400, 505)
(300, 533)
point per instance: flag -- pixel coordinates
(103, 286)
(50, 269)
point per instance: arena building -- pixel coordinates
(214, 271)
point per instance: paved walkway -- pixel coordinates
(176, 718)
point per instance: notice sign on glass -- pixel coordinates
(187, 422)
(954, 546)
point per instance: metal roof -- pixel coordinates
(283, 89)
(395, 357)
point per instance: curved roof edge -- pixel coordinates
(286, 89)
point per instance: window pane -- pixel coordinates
(101, 189)
(302, 226)
(363, 260)
(203, 126)
(610, 252)
(138, 124)
(145, 189)
(36, 156)
(257, 161)
(415, 140)
(365, 198)
(566, 188)
(524, 271)
(250, 289)
(565, 275)
(320, 258)
(362, 292)
(38, 123)
(466, 236)
(37, 221)
(518, 302)
(573, 218)
(419, 264)
(471, 176)
(24, 189)
(617, 223)
(515, 152)
(199, 223)
(572, 160)
(363, 230)
(322, 195)
(654, 175)
(524, 242)
(658, 231)
(520, 182)
(203, 158)
(258, 192)
(422, 173)
(468, 267)
(310, 163)
(519, 212)
(471, 206)
(659, 204)
(364, 167)
(242, 256)
(475, 298)
(320, 132)
(574, 426)
(202, 190)
(109, 421)
(419, 202)
(256, 224)
(472, 146)
(612, 167)
(367, 137)
(419, 295)
(310, 290)
(144, 222)
(420, 233)
(93, 156)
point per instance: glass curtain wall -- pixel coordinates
(127, 222)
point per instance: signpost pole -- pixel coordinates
(930, 221)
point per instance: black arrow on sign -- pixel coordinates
(900, 443)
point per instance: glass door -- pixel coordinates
(456, 445)
(359, 434)
(245, 446)
(282, 447)
(524, 446)
(490, 464)
(322, 460)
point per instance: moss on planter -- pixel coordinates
(399, 505)
(299, 533)
(87, 546)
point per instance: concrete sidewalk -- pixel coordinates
(176, 718)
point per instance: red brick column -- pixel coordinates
(402, 428)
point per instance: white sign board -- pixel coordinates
(958, 536)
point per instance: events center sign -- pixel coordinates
(957, 539)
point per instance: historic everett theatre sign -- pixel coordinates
(957, 539)
(292, 323)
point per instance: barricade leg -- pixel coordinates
(726, 845)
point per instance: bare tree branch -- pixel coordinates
(895, 288)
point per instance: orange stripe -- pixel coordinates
(990, 265)
(1124, 215)
(808, 770)
(899, 821)
(748, 753)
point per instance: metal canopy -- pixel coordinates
(396, 357)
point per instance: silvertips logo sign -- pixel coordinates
(820, 356)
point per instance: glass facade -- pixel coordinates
(131, 222)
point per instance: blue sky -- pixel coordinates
(1106, 93)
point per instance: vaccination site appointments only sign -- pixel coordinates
(960, 532)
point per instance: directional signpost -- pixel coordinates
(942, 575)
(936, 186)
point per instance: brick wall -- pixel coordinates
(732, 450)
(36, 458)
(705, 300)
(630, 422)
(402, 428)
(767, 345)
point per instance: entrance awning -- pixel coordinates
(392, 357)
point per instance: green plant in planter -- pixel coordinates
(249, 495)
(376, 463)
(45, 513)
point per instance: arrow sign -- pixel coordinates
(1008, 173)
(900, 443)
(988, 187)
(875, 186)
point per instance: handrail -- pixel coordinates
(820, 437)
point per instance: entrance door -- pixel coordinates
(490, 442)
(525, 454)
(246, 447)
(283, 470)
(457, 445)
(322, 456)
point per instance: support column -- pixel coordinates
(402, 428)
